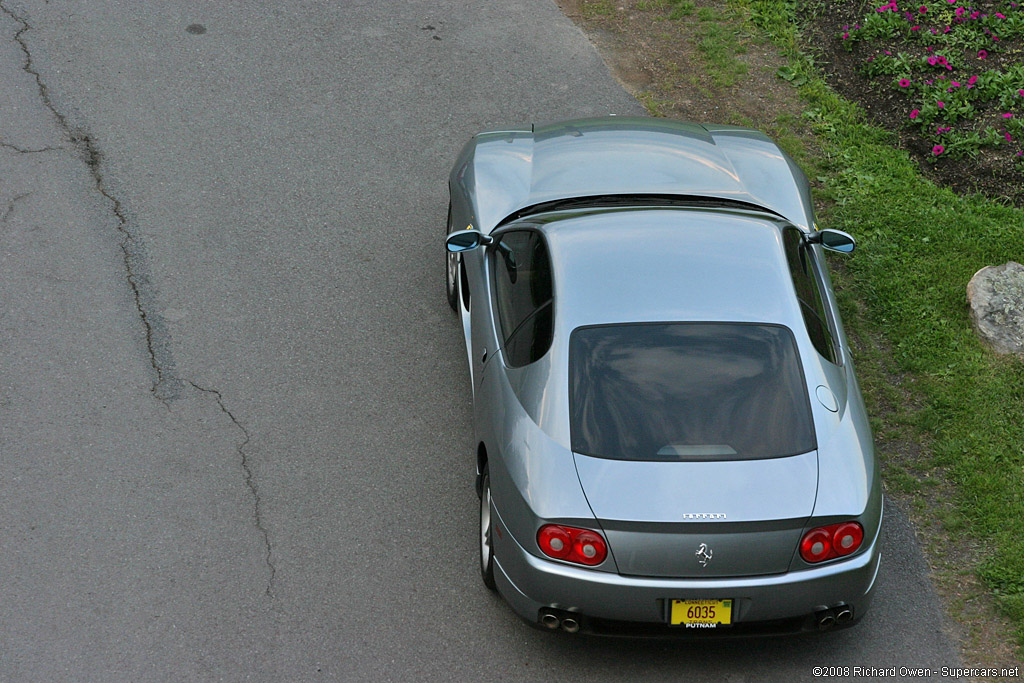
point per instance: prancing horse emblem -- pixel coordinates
(704, 554)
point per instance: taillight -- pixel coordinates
(581, 546)
(827, 542)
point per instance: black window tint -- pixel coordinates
(522, 286)
(687, 391)
(532, 339)
(808, 294)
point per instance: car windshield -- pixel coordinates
(687, 391)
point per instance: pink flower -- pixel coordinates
(932, 61)
(972, 80)
(929, 82)
(922, 9)
(942, 105)
(982, 54)
(1000, 16)
(915, 28)
(954, 84)
(1008, 115)
(938, 149)
(904, 83)
(1021, 93)
(959, 11)
(845, 36)
(1009, 138)
(914, 113)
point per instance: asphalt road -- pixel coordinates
(235, 436)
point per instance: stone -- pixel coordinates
(995, 296)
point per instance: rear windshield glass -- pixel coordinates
(687, 391)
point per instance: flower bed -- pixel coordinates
(948, 75)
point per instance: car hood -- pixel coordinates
(627, 156)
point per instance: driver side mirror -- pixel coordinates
(833, 240)
(466, 240)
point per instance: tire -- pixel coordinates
(486, 526)
(451, 270)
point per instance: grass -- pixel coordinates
(718, 44)
(918, 245)
(593, 8)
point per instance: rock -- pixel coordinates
(995, 296)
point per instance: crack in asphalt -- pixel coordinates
(11, 203)
(250, 483)
(20, 150)
(166, 385)
(164, 388)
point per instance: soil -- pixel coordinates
(655, 61)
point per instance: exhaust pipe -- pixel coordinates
(570, 625)
(549, 620)
(843, 614)
(826, 620)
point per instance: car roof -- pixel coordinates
(675, 264)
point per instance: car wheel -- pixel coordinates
(486, 546)
(452, 270)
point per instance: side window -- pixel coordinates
(808, 294)
(523, 295)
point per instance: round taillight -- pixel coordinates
(847, 538)
(554, 541)
(832, 541)
(581, 546)
(816, 545)
(589, 548)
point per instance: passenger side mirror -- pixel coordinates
(466, 240)
(833, 240)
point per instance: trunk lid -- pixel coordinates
(701, 519)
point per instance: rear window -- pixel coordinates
(687, 391)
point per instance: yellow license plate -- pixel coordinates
(687, 612)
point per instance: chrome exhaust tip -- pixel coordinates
(570, 625)
(843, 615)
(549, 620)
(826, 620)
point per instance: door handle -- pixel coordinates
(483, 356)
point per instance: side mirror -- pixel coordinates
(466, 240)
(833, 240)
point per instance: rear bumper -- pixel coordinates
(609, 603)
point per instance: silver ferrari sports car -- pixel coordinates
(670, 439)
